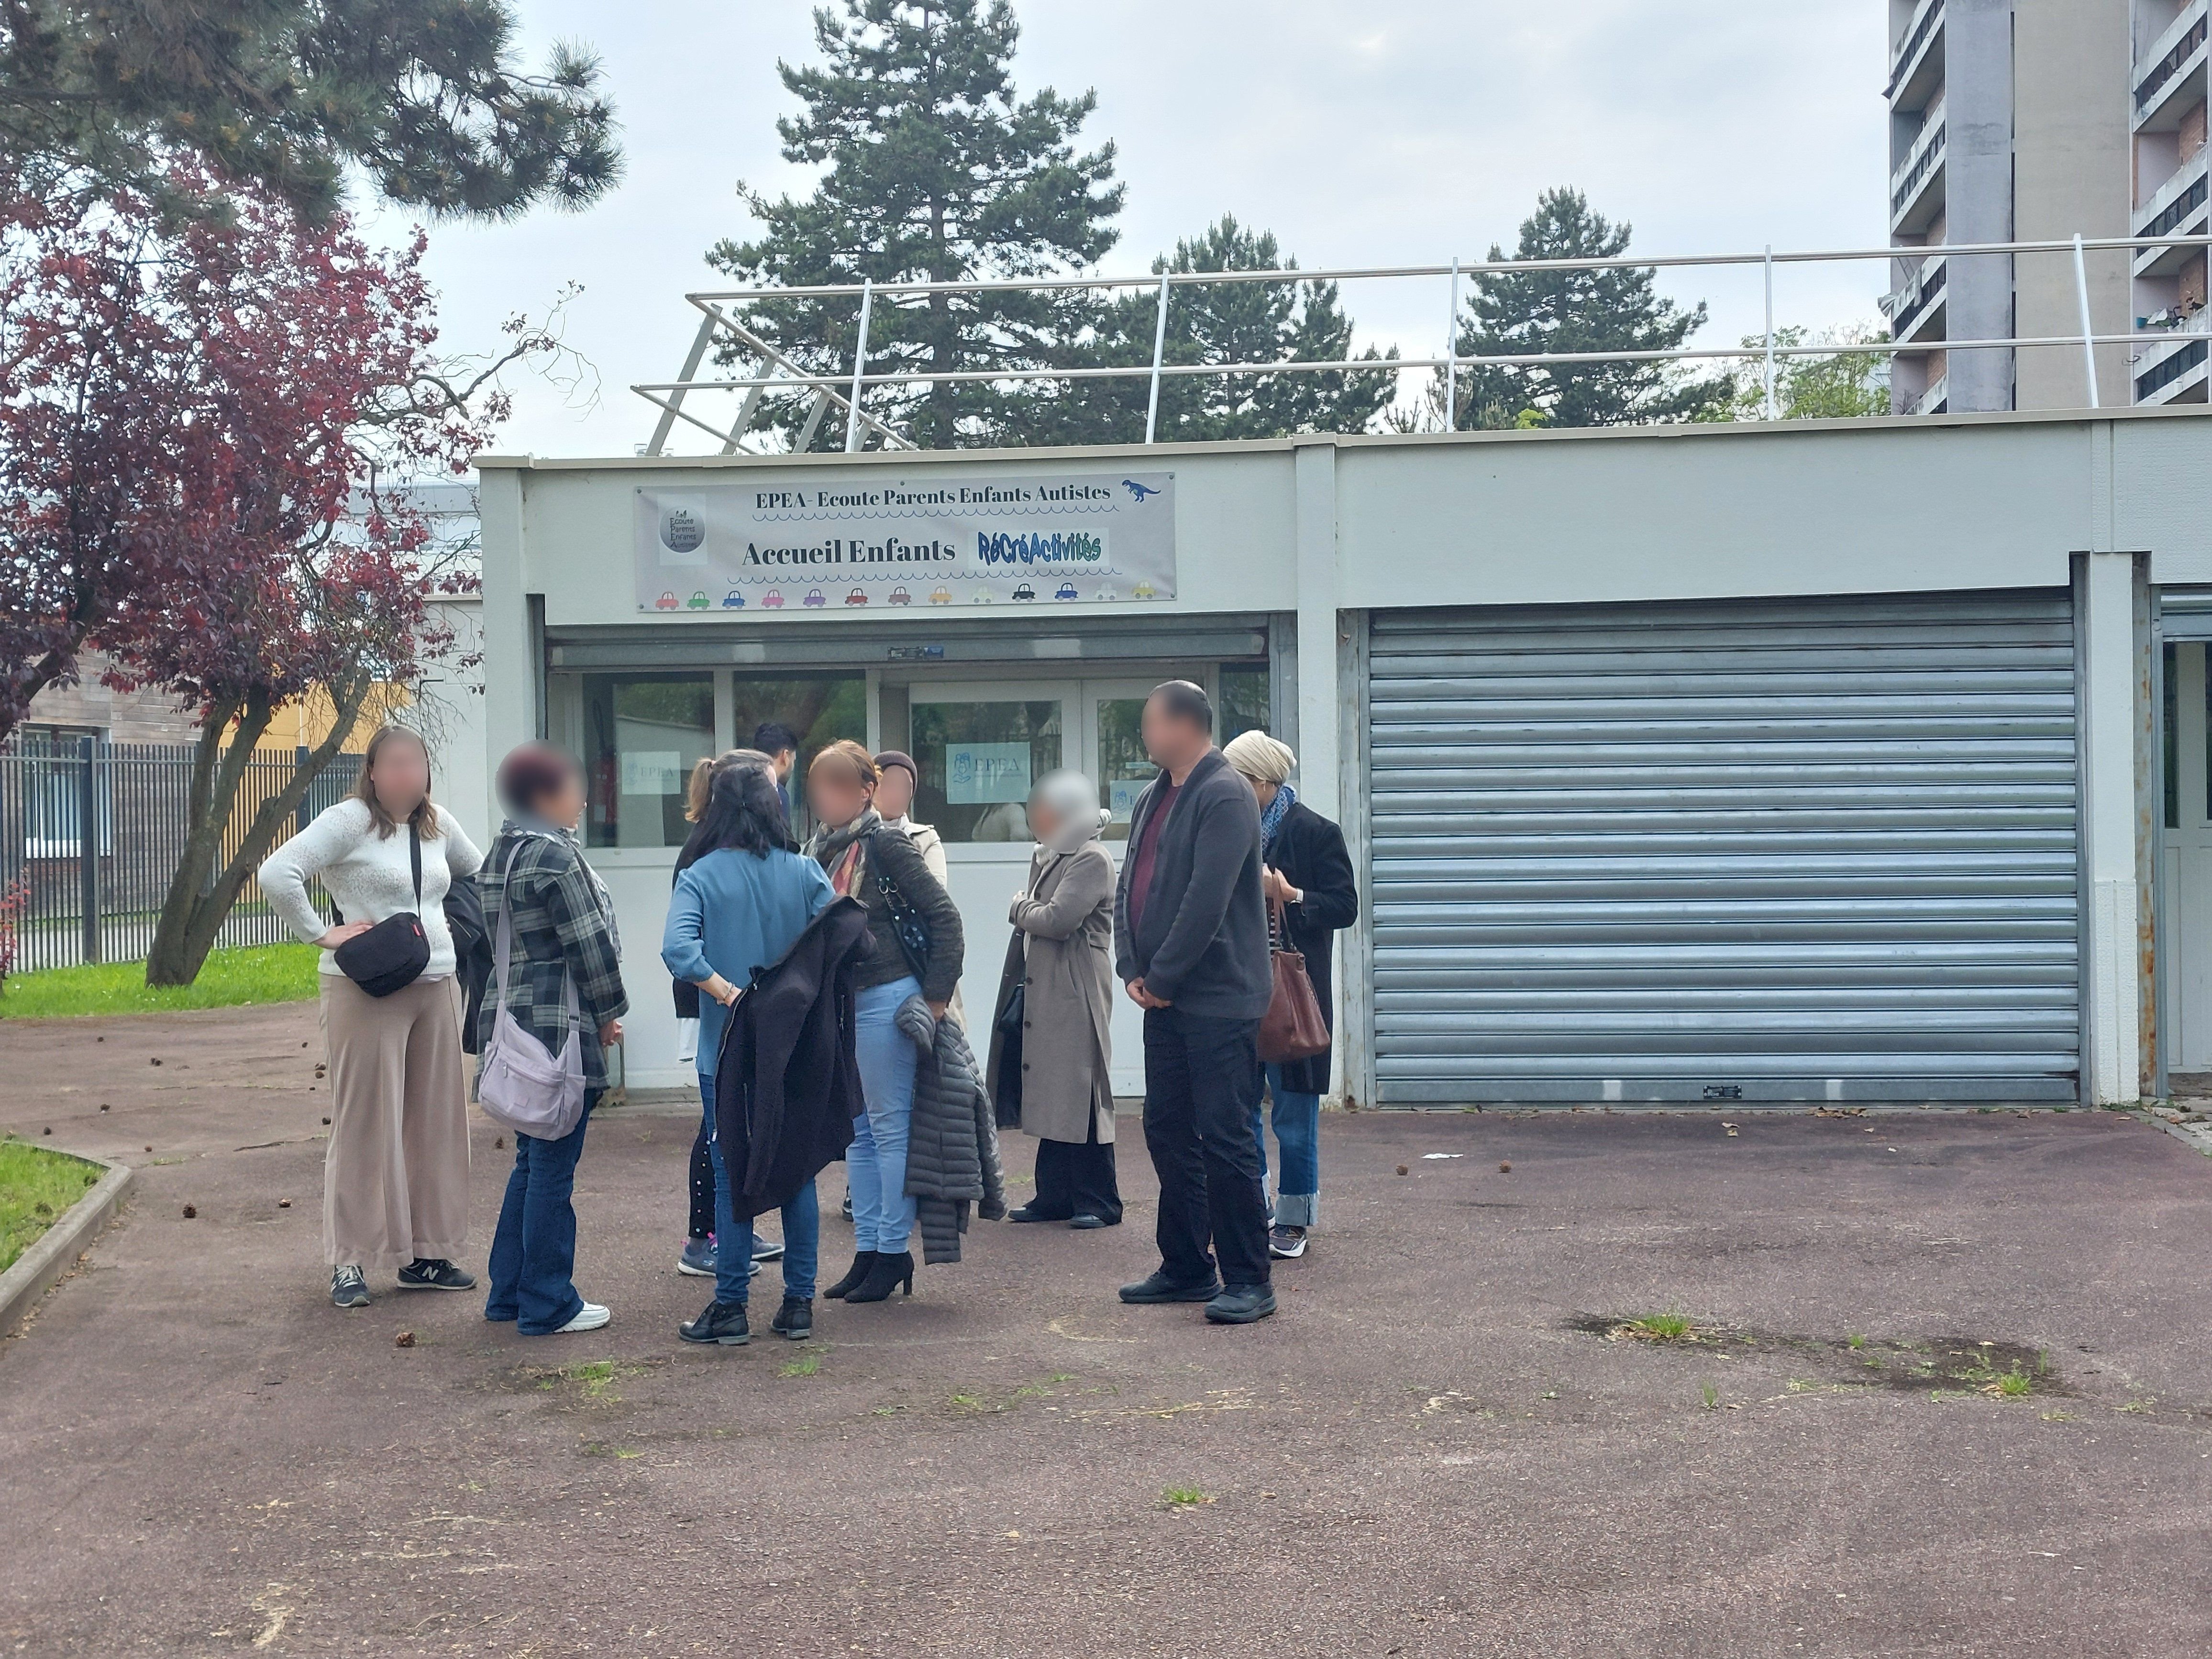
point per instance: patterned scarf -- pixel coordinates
(838, 851)
(1271, 820)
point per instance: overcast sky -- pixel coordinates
(1363, 132)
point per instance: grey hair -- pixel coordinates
(1072, 797)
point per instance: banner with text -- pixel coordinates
(802, 542)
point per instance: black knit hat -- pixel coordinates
(891, 758)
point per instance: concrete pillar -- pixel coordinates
(2114, 706)
(510, 711)
(1977, 85)
(1315, 530)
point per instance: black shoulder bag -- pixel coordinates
(390, 956)
(907, 922)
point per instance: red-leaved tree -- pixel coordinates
(197, 435)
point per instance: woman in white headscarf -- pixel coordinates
(1050, 1045)
(1311, 893)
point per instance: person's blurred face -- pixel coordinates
(1171, 741)
(1263, 791)
(565, 805)
(894, 791)
(835, 793)
(400, 775)
(1044, 823)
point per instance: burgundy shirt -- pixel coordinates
(1147, 851)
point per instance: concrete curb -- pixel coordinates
(58, 1246)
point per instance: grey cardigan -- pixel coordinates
(1203, 943)
(953, 1145)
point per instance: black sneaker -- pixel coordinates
(1286, 1243)
(723, 1322)
(347, 1288)
(1160, 1288)
(1241, 1304)
(434, 1274)
(794, 1319)
(767, 1249)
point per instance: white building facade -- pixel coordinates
(1819, 762)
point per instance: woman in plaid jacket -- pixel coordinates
(563, 924)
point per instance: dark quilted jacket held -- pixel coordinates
(787, 1084)
(952, 1147)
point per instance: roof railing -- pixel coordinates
(842, 389)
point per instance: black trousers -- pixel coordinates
(1201, 1087)
(1076, 1179)
(703, 1184)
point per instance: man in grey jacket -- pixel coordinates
(1190, 942)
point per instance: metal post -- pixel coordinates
(1451, 353)
(2088, 334)
(1159, 346)
(1769, 267)
(658, 444)
(859, 357)
(87, 848)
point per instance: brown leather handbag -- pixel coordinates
(1292, 1028)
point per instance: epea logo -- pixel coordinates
(681, 530)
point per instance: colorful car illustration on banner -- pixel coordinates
(1066, 592)
(1108, 593)
(813, 598)
(858, 596)
(1143, 591)
(981, 596)
(667, 601)
(1024, 591)
(733, 600)
(698, 600)
(772, 600)
(941, 596)
(900, 595)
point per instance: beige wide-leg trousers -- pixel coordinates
(396, 1179)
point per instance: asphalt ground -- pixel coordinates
(1444, 1444)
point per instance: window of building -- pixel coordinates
(643, 733)
(978, 759)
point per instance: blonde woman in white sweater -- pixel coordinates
(396, 1175)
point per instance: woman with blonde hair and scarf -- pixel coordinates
(1051, 1047)
(1311, 893)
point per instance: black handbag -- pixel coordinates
(390, 956)
(472, 952)
(907, 922)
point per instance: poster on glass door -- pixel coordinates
(810, 542)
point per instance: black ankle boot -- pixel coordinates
(795, 1320)
(884, 1272)
(854, 1279)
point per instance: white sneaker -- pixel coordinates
(589, 1317)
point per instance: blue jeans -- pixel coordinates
(1297, 1134)
(875, 1164)
(733, 1265)
(533, 1251)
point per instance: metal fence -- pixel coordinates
(842, 389)
(91, 832)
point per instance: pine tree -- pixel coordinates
(934, 171)
(1223, 322)
(423, 96)
(1513, 313)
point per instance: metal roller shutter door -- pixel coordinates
(1772, 849)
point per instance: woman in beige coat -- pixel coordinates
(1050, 1044)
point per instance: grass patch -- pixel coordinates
(36, 1186)
(808, 1362)
(1184, 1497)
(229, 979)
(1661, 1326)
